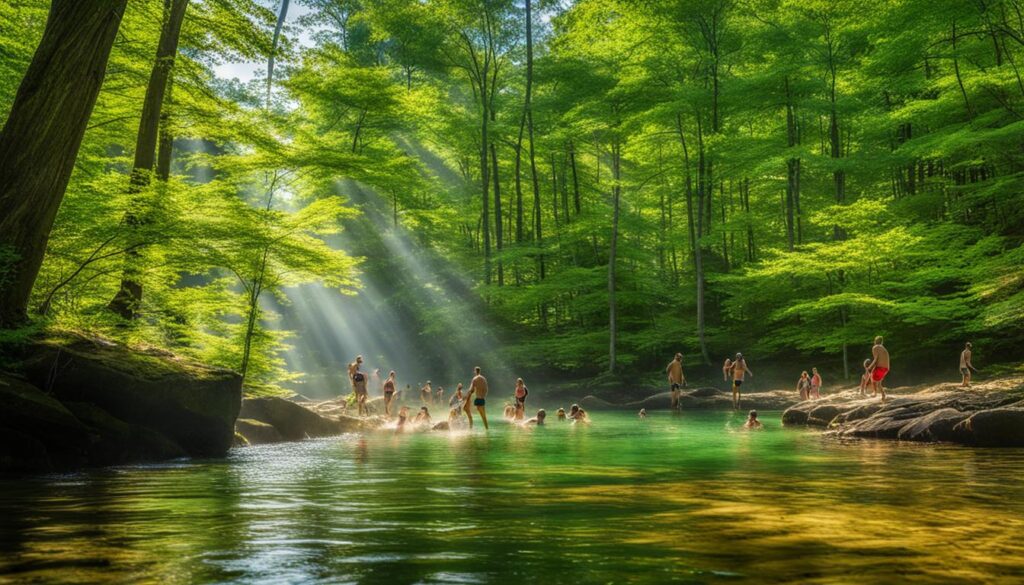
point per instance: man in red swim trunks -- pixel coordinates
(879, 367)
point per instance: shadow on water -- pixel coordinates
(689, 499)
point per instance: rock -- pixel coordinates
(191, 405)
(295, 422)
(999, 427)
(594, 403)
(29, 412)
(934, 426)
(115, 442)
(257, 432)
(877, 426)
(22, 452)
(822, 415)
(704, 392)
(442, 426)
(860, 412)
(796, 415)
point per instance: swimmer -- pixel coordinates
(643, 414)
(422, 417)
(403, 416)
(440, 394)
(427, 393)
(478, 386)
(538, 419)
(509, 411)
(577, 414)
(560, 414)
(752, 422)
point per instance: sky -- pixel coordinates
(247, 70)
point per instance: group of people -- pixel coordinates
(460, 403)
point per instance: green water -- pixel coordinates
(689, 499)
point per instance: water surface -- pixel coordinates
(690, 499)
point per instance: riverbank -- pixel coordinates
(73, 401)
(990, 414)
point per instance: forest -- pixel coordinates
(598, 183)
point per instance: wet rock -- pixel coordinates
(257, 432)
(934, 426)
(822, 415)
(704, 392)
(999, 427)
(442, 426)
(294, 422)
(796, 415)
(877, 426)
(115, 442)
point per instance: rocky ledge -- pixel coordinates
(75, 401)
(989, 414)
(706, 398)
(273, 420)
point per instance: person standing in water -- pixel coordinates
(738, 368)
(752, 422)
(427, 393)
(520, 395)
(477, 386)
(815, 384)
(440, 395)
(965, 366)
(456, 400)
(879, 367)
(389, 393)
(676, 379)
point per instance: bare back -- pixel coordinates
(881, 356)
(675, 372)
(478, 386)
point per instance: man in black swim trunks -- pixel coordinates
(477, 386)
(738, 367)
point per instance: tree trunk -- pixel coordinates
(282, 14)
(40, 140)
(575, 178)
(612, 252)
(694, 231)
(498, 234)
(126, 302)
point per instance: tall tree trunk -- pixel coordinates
(126, 302)
(792, 169)
(40, 140)
(695, 245)
(282, 14)
(498, 233)
(165, 145)
(612, 253)
(575, 178)
(538, 234)
(485, 173)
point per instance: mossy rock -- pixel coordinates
(256, 432)
(191, 405)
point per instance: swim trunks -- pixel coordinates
(479, 402)
(675, 386)
(879, 373)
(964, 371)
(737, 382)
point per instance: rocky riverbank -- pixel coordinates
(274, 420)
(989, 414)
(706, 398)
(74, 401)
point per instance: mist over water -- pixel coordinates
(414, 313)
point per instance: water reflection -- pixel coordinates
(688, 499)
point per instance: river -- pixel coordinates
(690, 499)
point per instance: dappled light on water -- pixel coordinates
(689, 498)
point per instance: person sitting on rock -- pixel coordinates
(752, 422)
(865, 378)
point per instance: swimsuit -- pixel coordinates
(964, 371)
(479, 402)
(676, 386)
(879, 373)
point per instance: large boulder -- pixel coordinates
(999, 427)
(257, 432)
(115, 442)
(934, 426)
(878, 427)
(796, 414)
(295, 422)
(822, 415)
(192, 405)
(50, 433)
